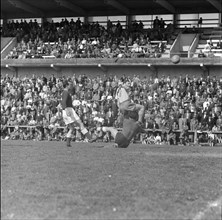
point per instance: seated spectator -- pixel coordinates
(207, 48)
(150, 139)
(57, 41)
(158, 139)
(211, 139)
(219, 44)
(201, 54)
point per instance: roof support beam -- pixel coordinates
(166, 5)
(118, 6)
(26, 7)
(71, 6)
(216, 4)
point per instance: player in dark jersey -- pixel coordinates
(131, 127)
(70, 117)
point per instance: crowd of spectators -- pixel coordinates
(77, 39)
(31, 109)
(209, 48)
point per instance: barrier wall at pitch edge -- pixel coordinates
(94, 67)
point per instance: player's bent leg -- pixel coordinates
(85, 131)
(141, 112)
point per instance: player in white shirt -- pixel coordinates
(125, 104)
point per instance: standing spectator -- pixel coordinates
(210, 123)
(200, 22)
(162, 24)
(156, 23)
(182, 122)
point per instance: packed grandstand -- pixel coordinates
(181, 110)
(74, 39)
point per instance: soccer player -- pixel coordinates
(125, 104)
(131, 127)
(69, 115)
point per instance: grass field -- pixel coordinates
(47, 180)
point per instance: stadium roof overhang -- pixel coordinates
(85, 8)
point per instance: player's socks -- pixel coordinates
(88, 136)
(68, 142)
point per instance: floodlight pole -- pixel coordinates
(205, 70)
(153, 69)
(12, 68)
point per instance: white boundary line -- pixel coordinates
(212, 205)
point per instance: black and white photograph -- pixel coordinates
(111, 109)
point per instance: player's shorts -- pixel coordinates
(121, 140)
(73, 117)
(127, 106)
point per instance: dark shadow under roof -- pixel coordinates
(80, 8)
